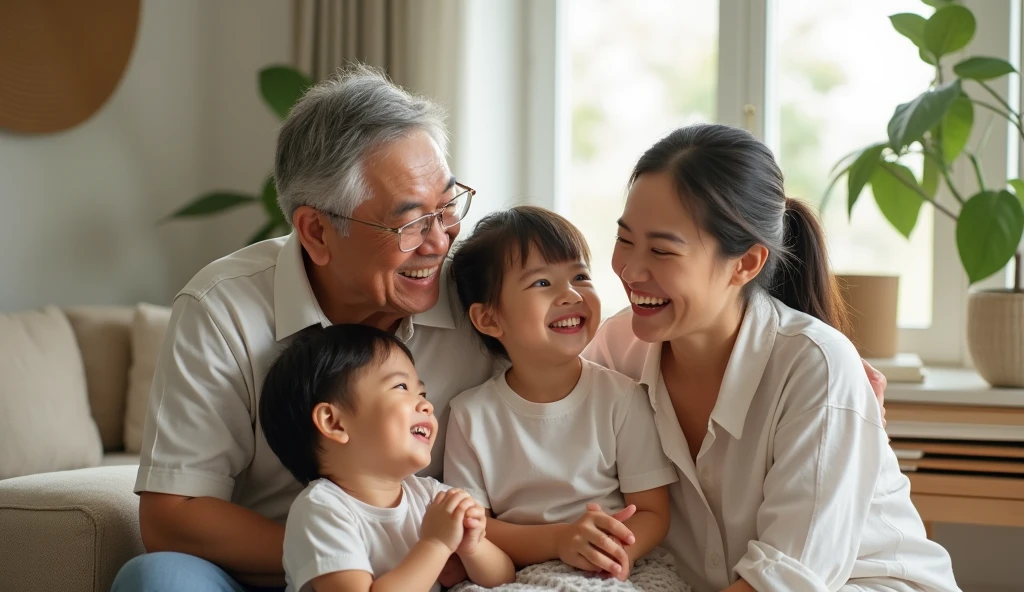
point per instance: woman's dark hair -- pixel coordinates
(502, 240)
(319, 366)
(732, 185)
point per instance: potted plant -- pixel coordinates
(989, 219)
(281, 87)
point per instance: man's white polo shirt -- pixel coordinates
(202, 435)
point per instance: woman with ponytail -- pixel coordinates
(787, 481)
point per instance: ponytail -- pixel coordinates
(803, 280)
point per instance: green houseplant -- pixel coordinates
(281, 87)
(935, 126)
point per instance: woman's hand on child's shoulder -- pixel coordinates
(445, 518)
(596, 541)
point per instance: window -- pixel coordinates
(637, 71)
(814, 80)
(834, 96)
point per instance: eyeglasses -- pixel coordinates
(412, 234)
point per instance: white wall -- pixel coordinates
(78, 209)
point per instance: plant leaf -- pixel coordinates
(211, 203)
(926, 57)
(265, 232)
(268, 198)
(911, 120)
(956, 127)
(898, 202)
(983, 68)
(860, 173)
(949, 29)
(1018, 187)
(825, 197)
(938, 3)
(988, 232)
(281, 87)
(930, 177)
(911, 26)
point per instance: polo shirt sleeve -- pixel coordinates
(828, 454)
(462, 468)
(640, 460)
(199, 427)
(319, 539)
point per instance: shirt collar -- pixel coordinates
(747, 363)
(441, 316)
(650, 375)
(296, 307)
(744, 371)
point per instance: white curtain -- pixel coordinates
(414, 41)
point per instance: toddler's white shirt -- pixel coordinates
(328, 530)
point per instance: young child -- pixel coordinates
(345, 411)
(562, 451)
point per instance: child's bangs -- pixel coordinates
(554, 237)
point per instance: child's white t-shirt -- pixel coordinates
(328, 530)
(541, 463)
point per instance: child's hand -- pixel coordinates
(445, 516)
(595, 542)
(453, 573)
(475, 526)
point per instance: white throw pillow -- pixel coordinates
(148, 329)
(45, 421)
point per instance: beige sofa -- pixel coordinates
(73, 387)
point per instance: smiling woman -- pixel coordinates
(787, 480)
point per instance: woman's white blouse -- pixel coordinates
(795, 486)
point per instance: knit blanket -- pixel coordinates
(654, 573)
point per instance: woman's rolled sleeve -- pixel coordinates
(820, 487)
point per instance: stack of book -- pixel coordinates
(900, 368)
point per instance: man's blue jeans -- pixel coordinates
(175, 572)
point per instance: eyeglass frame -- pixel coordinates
(397, 231)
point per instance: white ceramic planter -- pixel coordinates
(995, 336)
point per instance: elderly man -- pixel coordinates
(361, 173)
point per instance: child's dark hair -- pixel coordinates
(733, 186)
(319, 366)
(502, 240)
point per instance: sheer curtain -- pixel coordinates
(469, 55)
(417, 42)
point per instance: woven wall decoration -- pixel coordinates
(60, 60)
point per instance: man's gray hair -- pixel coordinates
(326, 137)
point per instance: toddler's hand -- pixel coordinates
(595, 542)
(445, 516)
(475, 526)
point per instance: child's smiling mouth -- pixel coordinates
(568, 324)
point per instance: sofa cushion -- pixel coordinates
(148, 328)
(104, 338)
(45, 423)
(71, 530)
(112, 459)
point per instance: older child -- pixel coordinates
(555, 445)
(344, 410)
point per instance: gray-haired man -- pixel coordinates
(361, 173)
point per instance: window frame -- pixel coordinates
(746, 98)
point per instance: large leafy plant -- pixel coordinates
(281, 87)
(936, 126)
